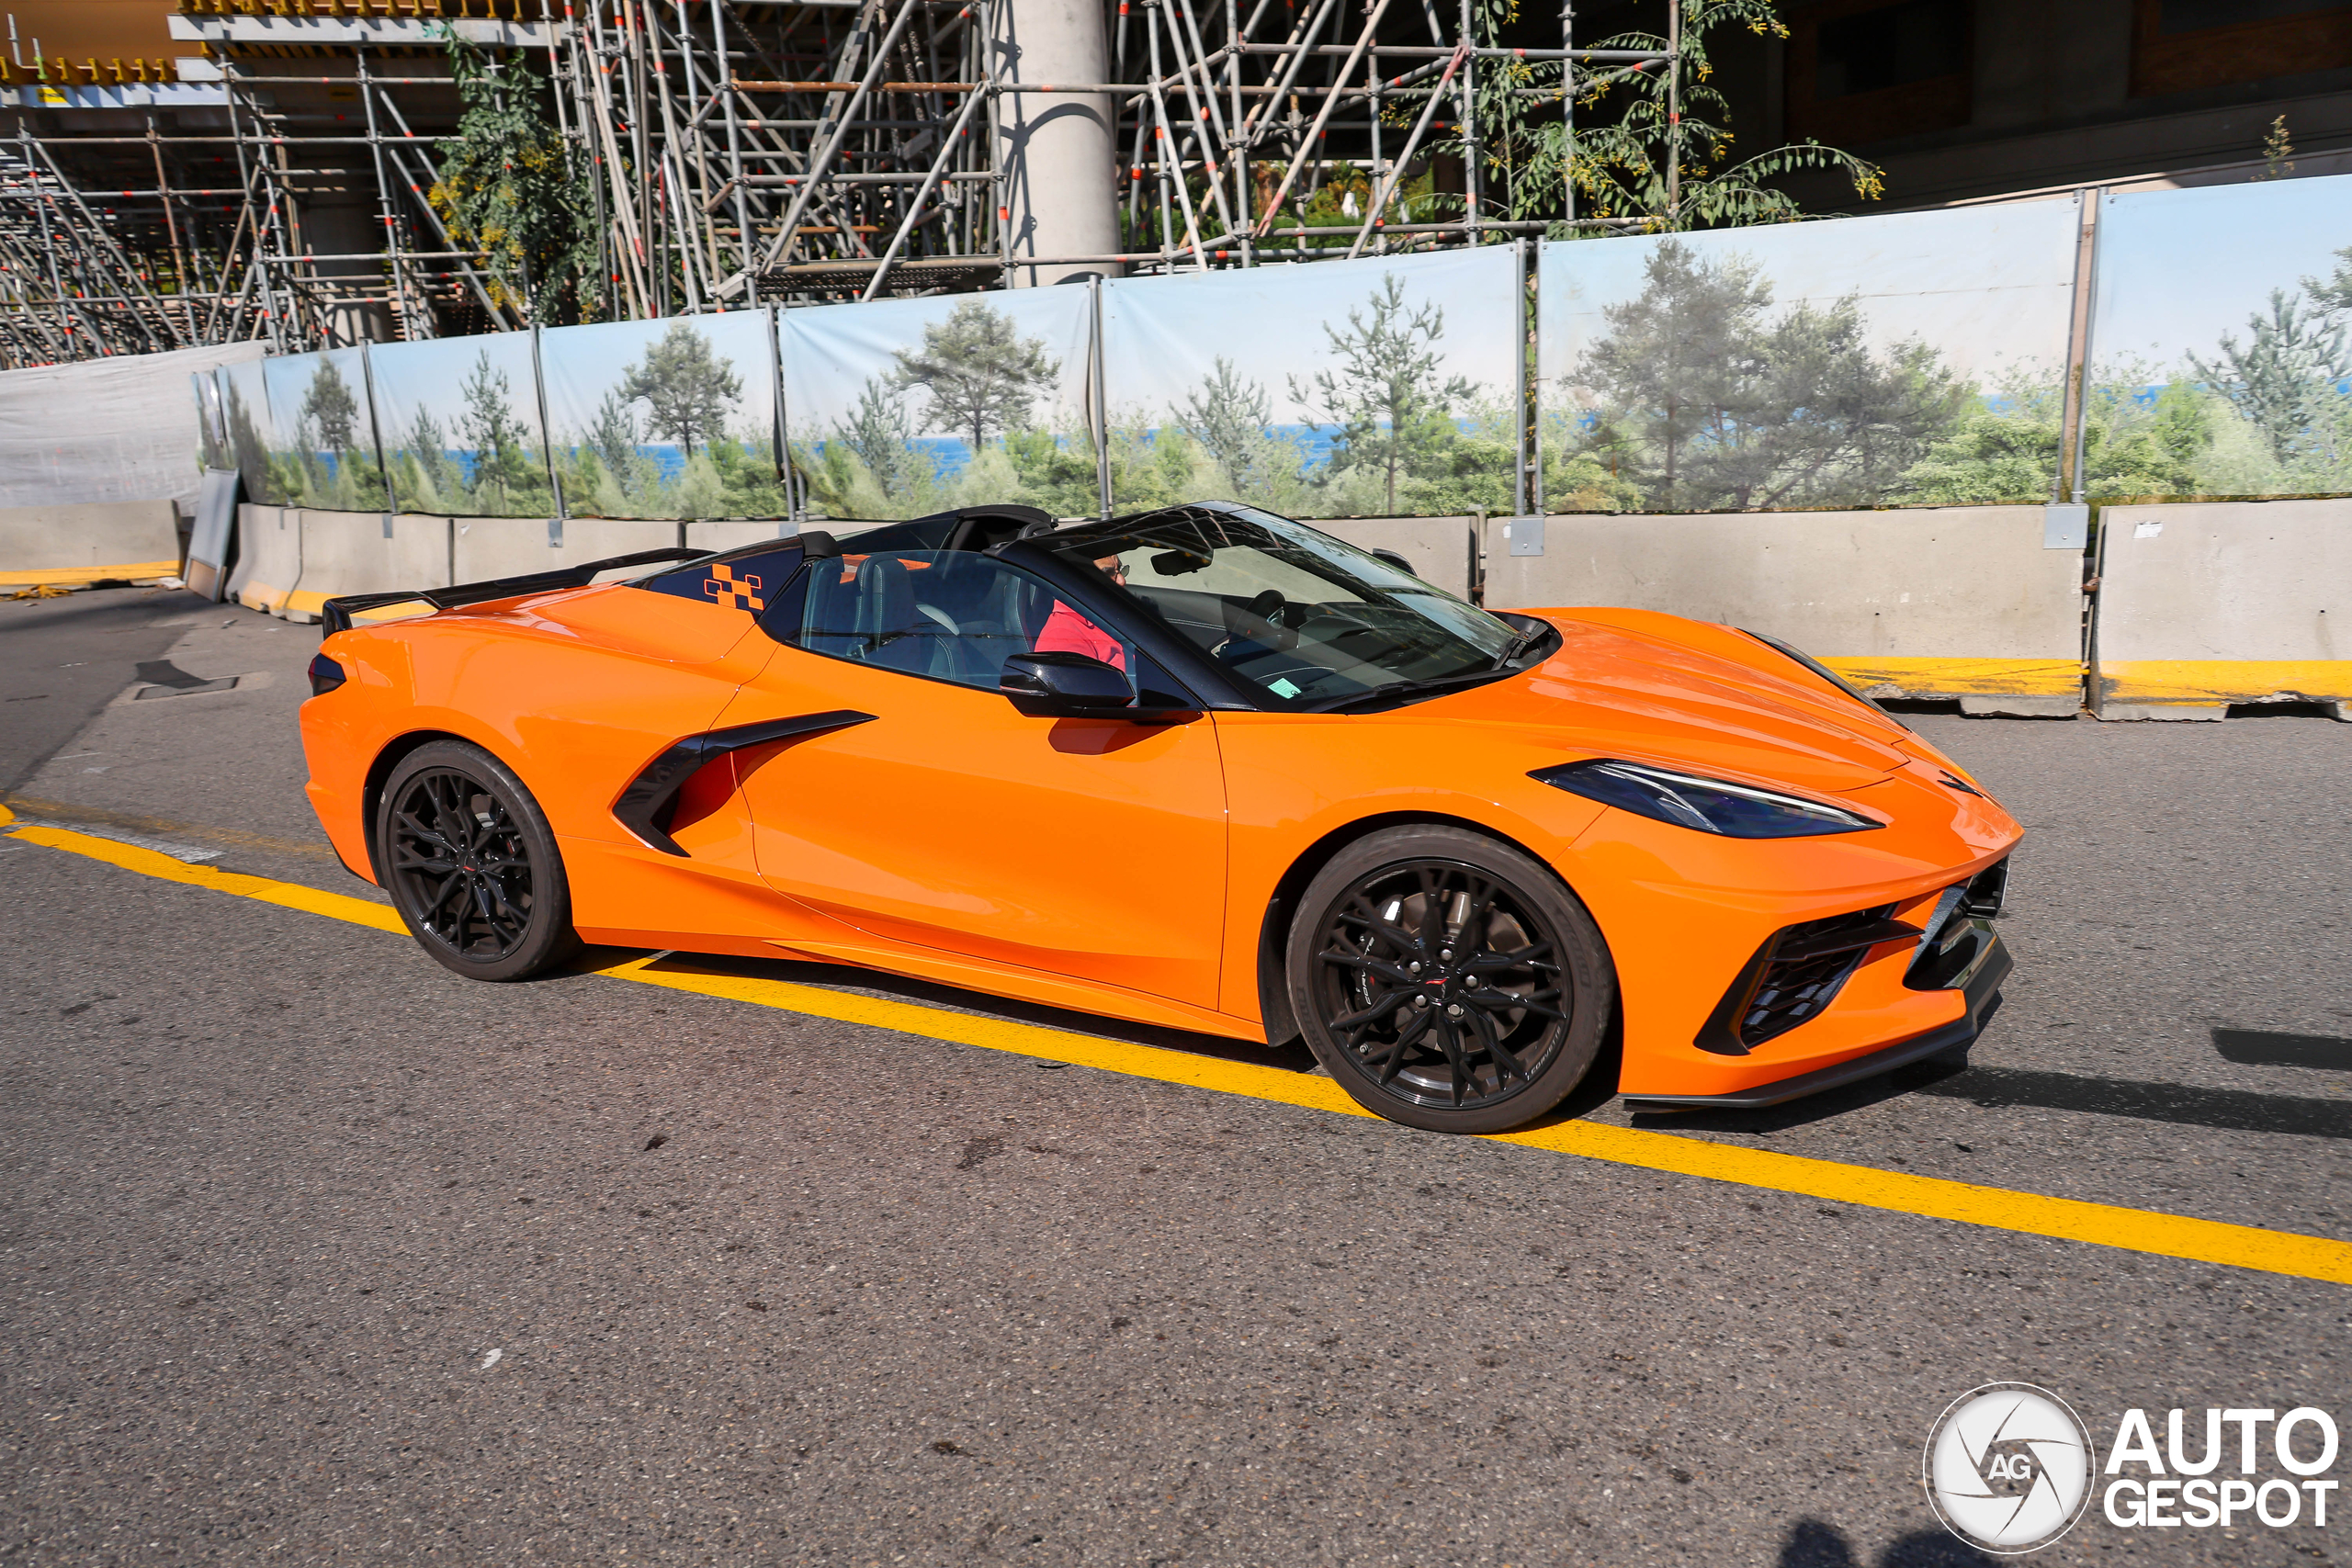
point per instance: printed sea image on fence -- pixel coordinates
(902, 407)
(244, 413)
(672, 418)
(1913, 359)
(322, 448)
(459, 420)
(2219, 356)
(1371, 387)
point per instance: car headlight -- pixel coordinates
(1707, 805)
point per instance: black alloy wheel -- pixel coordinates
(1448, 981)
(472, 863)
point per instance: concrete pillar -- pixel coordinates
(1058, 151)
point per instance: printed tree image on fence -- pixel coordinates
(1345, 389)
(245, 414)
(324, 454)
(2222, 346)
(460, 422)
(956, 403)
(1913, 359)
(664, 419)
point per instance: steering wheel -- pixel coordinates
(1262, 621)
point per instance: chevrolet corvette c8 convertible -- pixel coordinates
(1203, 767)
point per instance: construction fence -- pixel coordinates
(2158, 345)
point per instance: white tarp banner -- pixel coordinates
(101, 430)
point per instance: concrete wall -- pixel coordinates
(2206, 604)
(138, 540)
(1961, 602)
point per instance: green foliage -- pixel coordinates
(1625, 133)
(424, 477)
(980, 376)
(688, 388)
(329, 411)
(512, 189)
(324, 466)
(1394, 411)
(1705, 401)
(688, 393)
(879, 433)
(247, 449)
(1057, 472)
(507, 475)
(2284, 378)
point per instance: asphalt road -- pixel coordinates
(277, 1188)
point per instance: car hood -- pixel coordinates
(1610, 691)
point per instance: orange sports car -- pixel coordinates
(1202, 767)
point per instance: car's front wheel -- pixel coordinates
(472, 863)
(1448, 981)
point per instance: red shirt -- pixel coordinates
(1066, 631)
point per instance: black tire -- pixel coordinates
(1410, 1020)
(472, 863)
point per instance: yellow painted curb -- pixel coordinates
(2209, 682)
(1963, 677)
(1994, 1208)
(135, 572)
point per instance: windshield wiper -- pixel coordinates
(1405, 689)
(1520, 644)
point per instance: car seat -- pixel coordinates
(890, 628)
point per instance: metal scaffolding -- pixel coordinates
(747, 151)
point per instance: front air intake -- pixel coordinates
(1795, 977)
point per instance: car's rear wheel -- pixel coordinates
(1448, 981)
(472, 863)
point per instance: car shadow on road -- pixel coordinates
(1812, 1544)
(852, 981)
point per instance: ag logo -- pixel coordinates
(2008, 1468)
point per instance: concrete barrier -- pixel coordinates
(1960, 602)
(369, 552)
(1443, 550)
(269, 558)
(488, 547)
(132, 541)
(734, 535)
(2206, 604)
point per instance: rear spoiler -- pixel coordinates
(336, 613)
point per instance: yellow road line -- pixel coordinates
(156, 863)
(1995, 1208)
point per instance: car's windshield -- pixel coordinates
(1308, 618)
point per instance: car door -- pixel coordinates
(1089, 848)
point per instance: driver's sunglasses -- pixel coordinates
(1119, 569)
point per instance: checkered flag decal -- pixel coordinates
(734, 593)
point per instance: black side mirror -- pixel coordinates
(1396, 559)
(1064, 685)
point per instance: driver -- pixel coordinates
(1067, 630)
